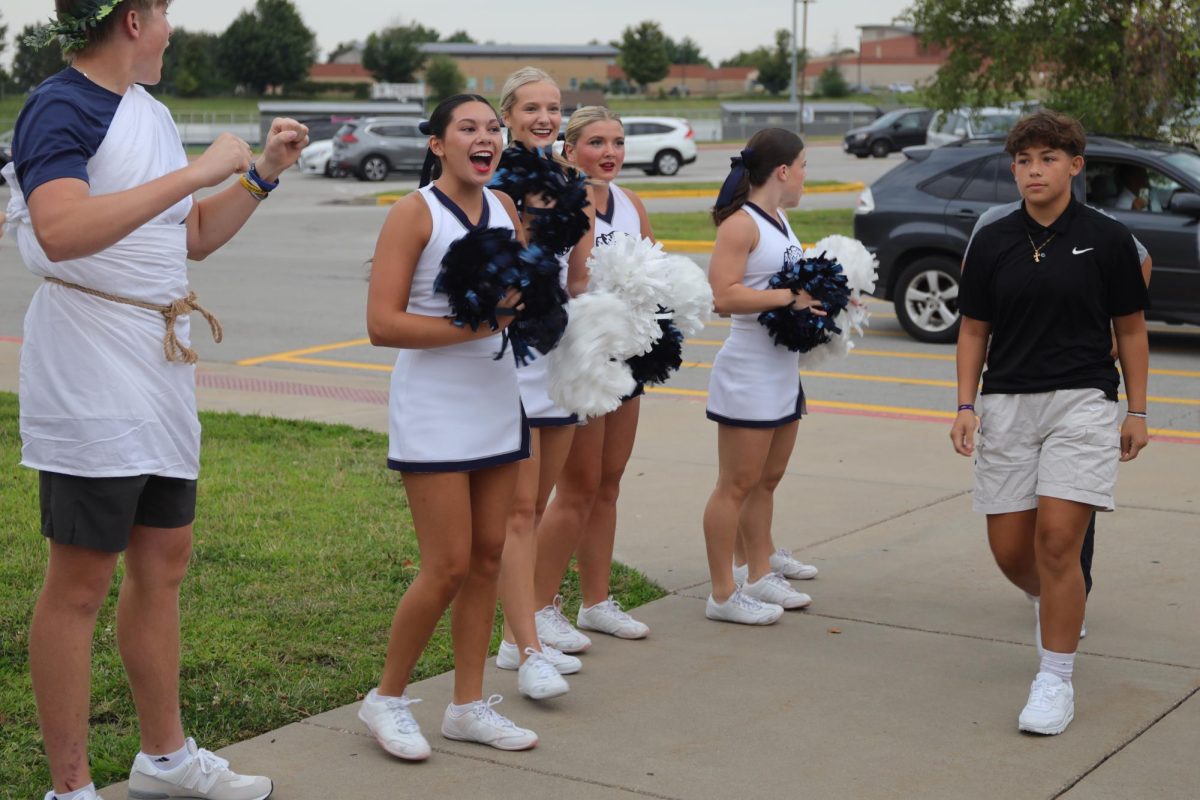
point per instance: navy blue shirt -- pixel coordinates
(1051, 318)
(59, 129)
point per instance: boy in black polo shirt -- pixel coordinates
(1044, 284)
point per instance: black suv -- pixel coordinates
(919, 216)
(893, 131)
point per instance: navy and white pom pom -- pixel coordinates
(800, 330)
(477, 272)
(562, 222)
(543, 316)
(662, 360)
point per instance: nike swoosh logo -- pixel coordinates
(1075, 251)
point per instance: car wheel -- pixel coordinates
(650, 170)
(926, 299)
(862, 155)
(667, 162)
(880, 148)
(373, 168)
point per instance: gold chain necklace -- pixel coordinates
(1037, 249)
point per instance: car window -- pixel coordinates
(407, 130)
(951, 123)
(1186, 162)
(982, 187)
(910, 122)
(993, 124)
(656, 128)
(948, 183)
(1006, 185)
(634, 129)
(1126, 186)
(385, 130)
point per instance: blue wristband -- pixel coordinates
(259, 180)
(966, 407)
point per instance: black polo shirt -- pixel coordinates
(1051, 318)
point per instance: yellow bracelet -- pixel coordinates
(252, 188)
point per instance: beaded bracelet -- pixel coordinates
(1138, 414)
(966, 407)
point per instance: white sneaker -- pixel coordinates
(743, 609)
(1051, 706)
(1083, 630)
(391, 721)
(783, 562)
(91, 795)
(509, 657)
(555, 630)
(608, 617)
(483, 725)
(538, 679)
(203, 776)
(774, 588)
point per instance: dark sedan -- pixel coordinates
(893, 131)
(919, 216)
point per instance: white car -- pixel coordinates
(658, 145)
(970, 123)
(314, 159)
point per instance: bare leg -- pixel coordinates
(567, 514)
(520, 551)
(441, 511)
(1011, 539)
(595, 548)
(475, 606)
(1061, 526)
(754, 525)
(148, 631)
(60, 656)
(741, 455)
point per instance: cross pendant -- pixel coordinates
(1037, 258)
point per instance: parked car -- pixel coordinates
(658, 145)
(371, 147)
(316, 159)
(893, 131)
(918, 218)
(901, 88)
(970, 123)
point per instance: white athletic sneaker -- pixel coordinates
(774, 588)
(743, 609)
(783, 562)
(509, 657)
(203, 776)
(483, 725)
(1083, 630)
(555, 630)
(538, 679)
(608, 617)
(391, 721)
(1051, 706)
(92, 795)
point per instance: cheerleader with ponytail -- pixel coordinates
(755, 396)
(456, 427)
(582, 518)
(555, 214)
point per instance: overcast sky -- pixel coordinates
(722, 27)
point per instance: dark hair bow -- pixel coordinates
(737, 170)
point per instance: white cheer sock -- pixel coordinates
(78, 794)
(465, 708)
(170, 760)
(1060, 664)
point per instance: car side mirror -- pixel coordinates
(1186, 203)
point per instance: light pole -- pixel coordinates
(792, 97)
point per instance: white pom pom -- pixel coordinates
(633, 269)
(690, 295)
(859, 267)
(587, 371)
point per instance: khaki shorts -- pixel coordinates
(1062, 444)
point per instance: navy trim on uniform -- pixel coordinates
(461, 215)
(801, 410)
(773, 220)
(553, 422)
(610, 210)
(471, 464)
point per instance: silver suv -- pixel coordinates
(371, 147)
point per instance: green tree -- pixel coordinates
(30, 67)
(831, 82)
(459, 37)
(192, 66)
(1120, 66)
(394, 54)
(644, 55)
(775, 71)
(4, 78)
(269, 46)
(686, 51)
(443, 78)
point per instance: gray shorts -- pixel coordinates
(1062, 444)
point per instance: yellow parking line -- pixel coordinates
(250, 362)
(325, 362)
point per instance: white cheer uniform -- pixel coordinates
(533, 379)
(619, 217)
(755, 383)
(454, 408)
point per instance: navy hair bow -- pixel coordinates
(737, 170)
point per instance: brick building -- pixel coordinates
(887, 54)
(698, 80)
(487, 66)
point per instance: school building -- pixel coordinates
(698, 80)
(886, 54)
(487, 66)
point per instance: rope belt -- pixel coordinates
(172, 348)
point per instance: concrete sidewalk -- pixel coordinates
(904, 680)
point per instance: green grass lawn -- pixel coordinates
(304, 544)
(808, 225)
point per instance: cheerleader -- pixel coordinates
(456, 432)
(531, 107)
(582, 518)
(754, 393)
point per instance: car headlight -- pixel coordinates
(866, 202)
(858, 137)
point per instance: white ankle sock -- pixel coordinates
(458, 711)
(1060, 664)
(170, 760)
(78, 794)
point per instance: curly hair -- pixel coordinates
(1048, 129)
